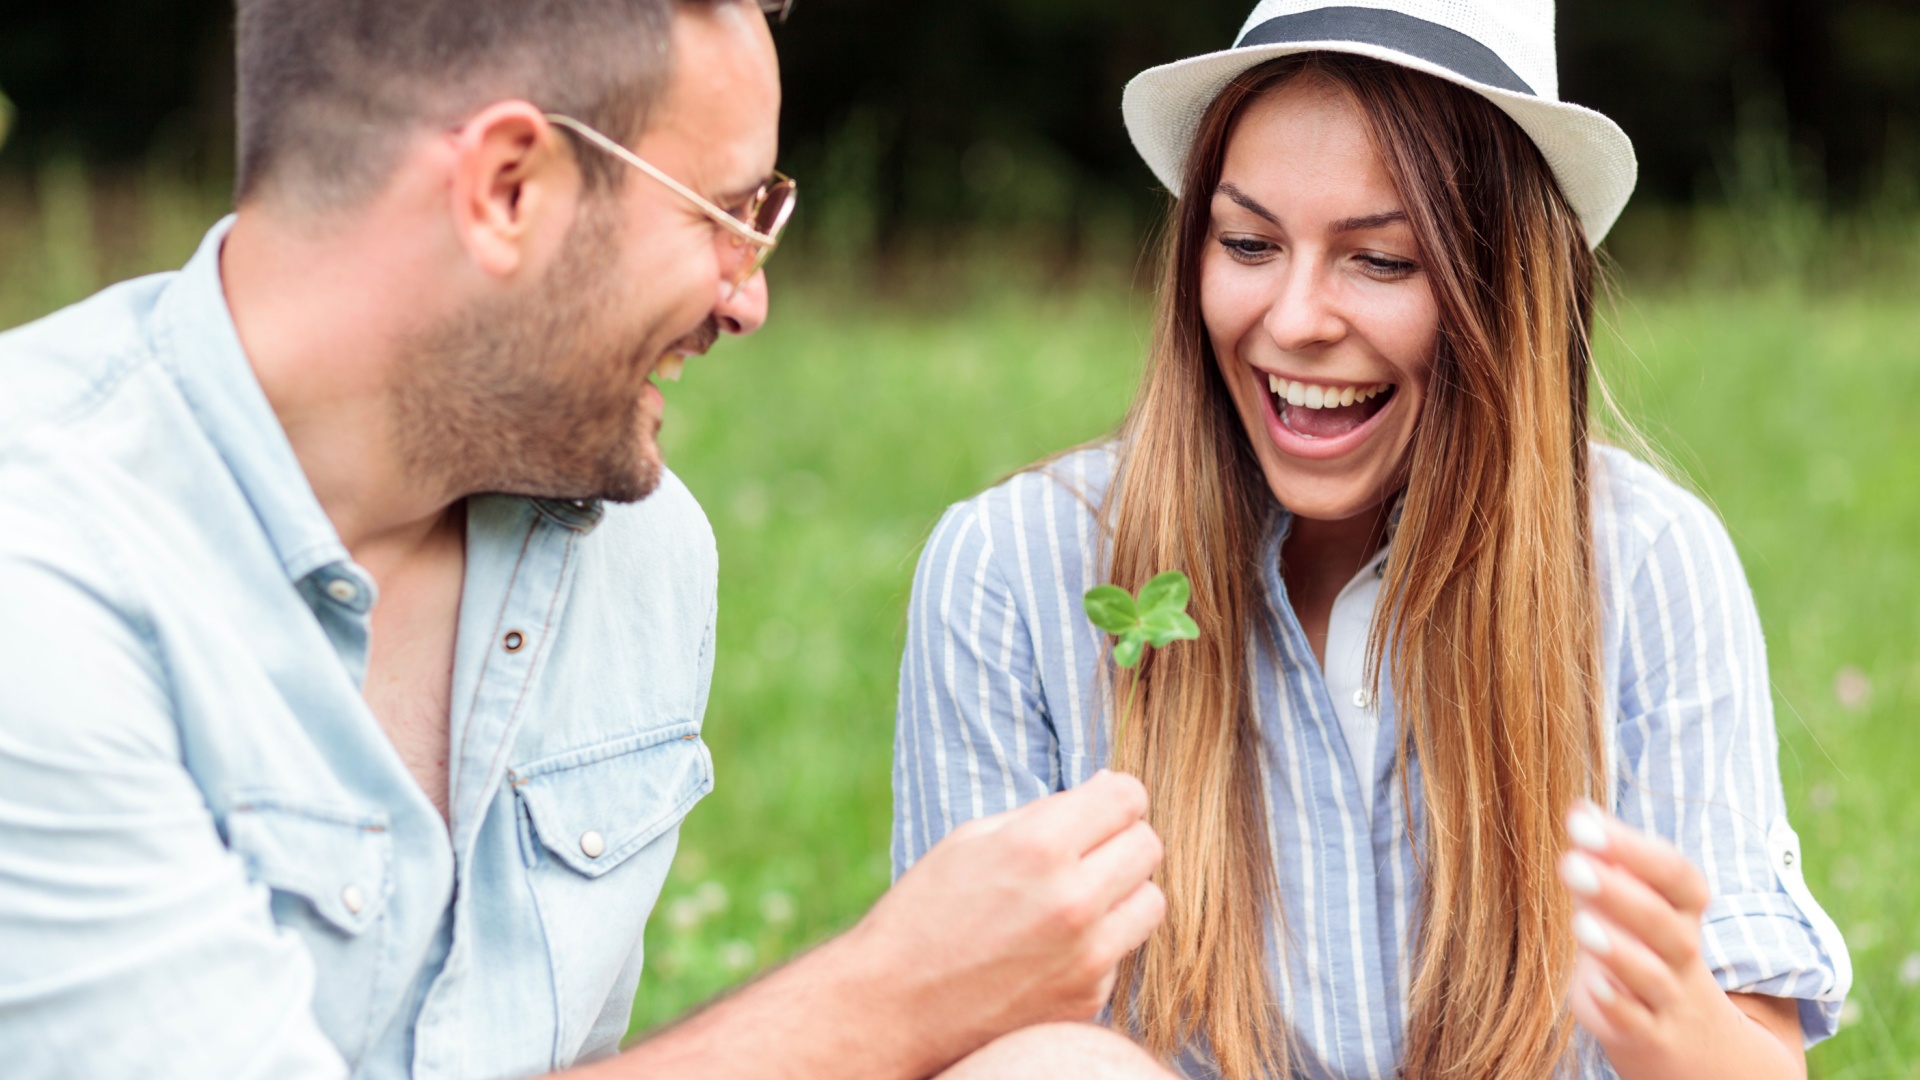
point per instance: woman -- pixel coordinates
(1436, 617)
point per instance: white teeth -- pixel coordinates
(670, 366)
(1314, 396)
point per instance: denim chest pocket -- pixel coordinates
(593, 808)
(337, 860)
(598, 827)
(330, 869)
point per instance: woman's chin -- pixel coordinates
(1310, 489)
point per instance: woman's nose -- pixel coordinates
(1301, 316)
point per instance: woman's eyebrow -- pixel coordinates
(1370, 221)
(1245, 200)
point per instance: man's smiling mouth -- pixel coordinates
(1326, 410)
(674, 360)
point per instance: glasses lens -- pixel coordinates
(776, 10)
(774, 210)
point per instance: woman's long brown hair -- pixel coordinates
(1489, 629)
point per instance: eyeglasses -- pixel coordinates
(757, 227)
(776, 11)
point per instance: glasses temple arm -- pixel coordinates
(731, 223)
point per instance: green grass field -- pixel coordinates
(825, 447)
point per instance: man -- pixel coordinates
(317, 756)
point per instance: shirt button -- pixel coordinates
(1787, 857)
(353, 899)
(592, 844)
(342, 590)
(514, 640)
(1362, 699)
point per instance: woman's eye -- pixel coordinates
(1246, 249)
(1383, 266)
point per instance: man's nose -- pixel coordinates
(742, 310)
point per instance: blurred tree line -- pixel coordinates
(1007, 111)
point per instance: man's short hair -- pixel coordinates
(330, 90)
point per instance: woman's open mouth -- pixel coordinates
(1323, 411)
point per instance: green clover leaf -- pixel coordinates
(1166, 592)
(1163, 628)
(1111, 608)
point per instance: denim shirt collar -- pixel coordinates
(195, 339)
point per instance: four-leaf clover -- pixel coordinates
(1157, 617)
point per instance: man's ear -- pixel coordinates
(515, 187)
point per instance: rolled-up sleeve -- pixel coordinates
(131, 942)
(973, 736)
(1700, 763)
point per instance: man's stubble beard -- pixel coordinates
(536, 395)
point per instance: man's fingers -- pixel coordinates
(1118, 866)
(981, 826)
(1132, 921)
(1082, 818)
(1649, 858)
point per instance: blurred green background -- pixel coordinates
(966, 291)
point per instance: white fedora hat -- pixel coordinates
(1500, 49)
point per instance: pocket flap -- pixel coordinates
(338, 860)
(594, 807)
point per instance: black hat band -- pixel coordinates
(1438, 45)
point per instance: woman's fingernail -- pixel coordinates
(1587, 830)
(1578, 872)
(1602, 989)
(1588, 932)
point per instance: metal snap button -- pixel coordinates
(342, 590)
(514, 640)
(592, 844)
(353, 899)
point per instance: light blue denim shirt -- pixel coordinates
(213, 863)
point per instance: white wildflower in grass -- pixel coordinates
(711, 896)
(685, 914)
(1850, 1013)
(1863, 937)
(1910, 970)
(777, 907)
(736, 955)
(1852, 689)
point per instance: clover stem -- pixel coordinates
(1120, 729)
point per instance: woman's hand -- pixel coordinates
(1641, 986)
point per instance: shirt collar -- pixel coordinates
(195, 340)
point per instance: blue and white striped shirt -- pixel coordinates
(1000, 703)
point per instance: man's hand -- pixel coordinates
(1019, 918)
(1012, 920)
(1641, 985)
